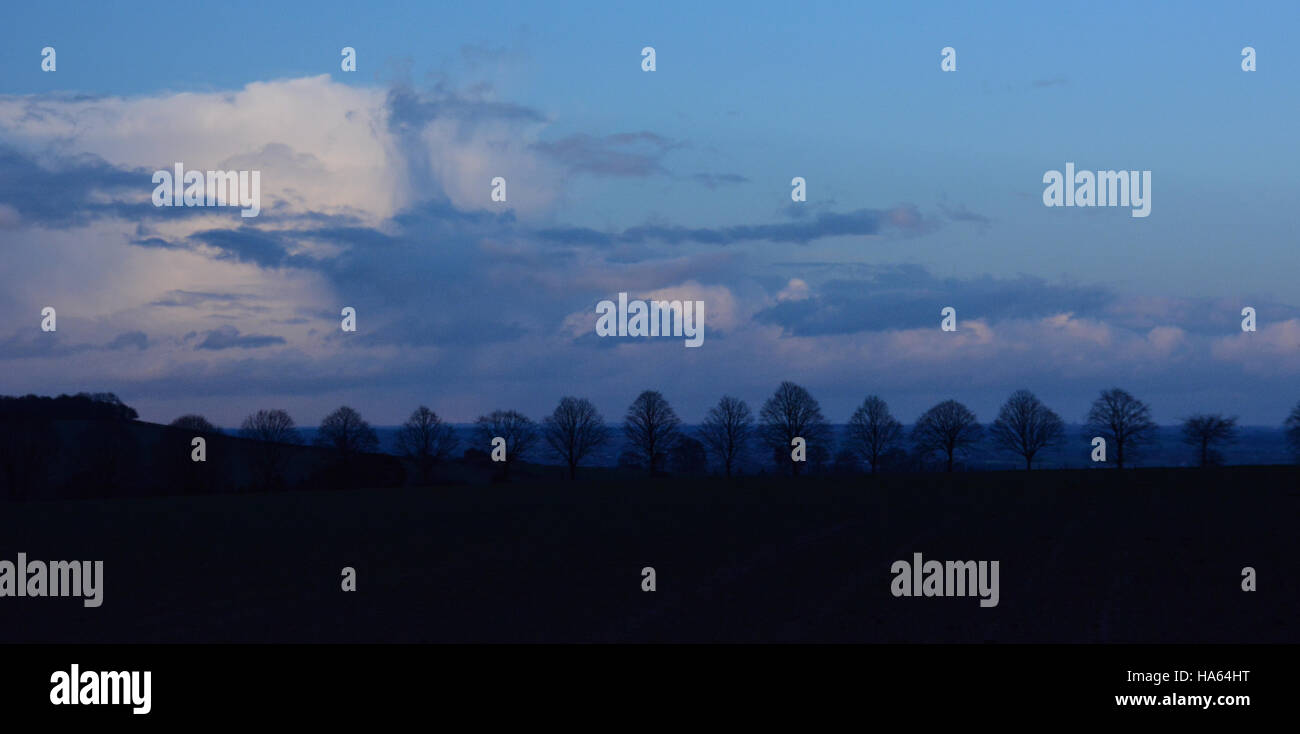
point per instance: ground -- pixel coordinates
(1148, 555)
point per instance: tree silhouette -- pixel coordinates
(948, 428)
(1122, 420)
(273, 430)
(873, 431)
(847, 462)
(426, 440)
(1025, 426)
(195, 424)
(688, 457)
(347, 433)
(574, 431)
(518, 430)
(793, 412)
(726, 431)
(1205, 431)
(1292, 426)
(652, 429)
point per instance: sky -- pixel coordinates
(924, 190)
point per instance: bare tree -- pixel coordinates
(271, 426)
(688, 457)
(347, 433)
(1025, 426)
(1292, 426)
(873, 431)
(791, 413)
(948, 428)
(574, 430)
(652, 428)
(1122, 420)
(273, 429)
(1205, 431)
(425, 439)
(196, 424)
(518, 430)
(726, 431)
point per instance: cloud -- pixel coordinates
(718, 180)
(136, 339)
(451, 143)
(228, 337)
(64, 190)
(636, 154)
(378, 199)
(1272, 350)
(959, 213)
(795, 290)
(909, 296)
(904, 219)
(319, 145)
(192, 299)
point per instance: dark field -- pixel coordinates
(1147, 555)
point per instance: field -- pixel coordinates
(1147, 555)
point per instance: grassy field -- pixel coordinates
(1148, 555)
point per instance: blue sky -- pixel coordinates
(468, 306)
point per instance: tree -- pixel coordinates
(1123, 420)
(195, 424)
(846, 462)
(652, 428)
(347, 433)
(271, 426)
(426, 440)
(1025, 426)
(574, 431)
(726, 431)
(948, 428)
(791, 413)
(688, 457)
(1292, 426)
(873, 431)
(1205, 431)
(518, 430)
(273, 430)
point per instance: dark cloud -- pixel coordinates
(717, 180)
(905, 219)
(623, 154)
(248, 244)
(62, 191)
(136, 339)
(195, 298)
(909, 296)
(159, 243)
(31, 344)
(959, 213)
(228, 337)
(409, 109)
